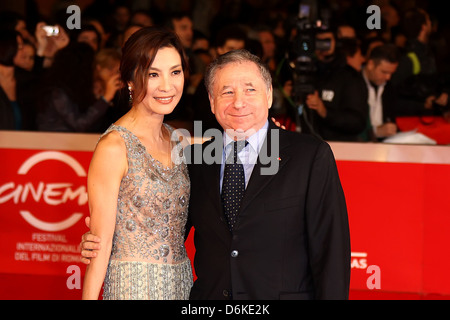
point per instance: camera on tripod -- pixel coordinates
(303, 59)
(302, 55)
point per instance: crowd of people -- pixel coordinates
(362, 79)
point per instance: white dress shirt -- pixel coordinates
(375, 103)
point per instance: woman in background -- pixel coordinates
(68, 102)
(107, 65)
(17, 104)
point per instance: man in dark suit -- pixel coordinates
(289, 236)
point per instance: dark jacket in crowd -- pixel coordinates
(415, 79)
(25, 93)
(62, 114)
(345, 98)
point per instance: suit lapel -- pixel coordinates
(210, 174)
(257, 180)
(211, 178)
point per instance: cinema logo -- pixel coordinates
(359, 261)
(51, 194)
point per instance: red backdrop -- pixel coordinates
(398, 213)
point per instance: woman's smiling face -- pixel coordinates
(165, 82)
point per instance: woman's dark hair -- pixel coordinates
(8, 47)
(72, 71)
(140, 51)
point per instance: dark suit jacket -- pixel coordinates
(347, 110)
(291, 240)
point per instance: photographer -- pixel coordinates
(67, 102)
(327, 59)
(341, 101)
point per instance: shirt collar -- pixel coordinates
(370, 83)
(256, 140)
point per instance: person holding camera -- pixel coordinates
(49, 40)
(68, 103)
(341, 101)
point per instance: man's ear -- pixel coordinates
(270, 97)
(211, 103)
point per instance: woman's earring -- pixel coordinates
(130, 98)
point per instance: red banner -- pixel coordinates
(397, 198)
(43, 202)
(398, 215)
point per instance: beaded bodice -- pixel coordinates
(152, 206)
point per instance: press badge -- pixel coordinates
(327, 95)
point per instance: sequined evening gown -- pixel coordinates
(148, 258)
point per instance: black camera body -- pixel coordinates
(302, 60)
(302, 57)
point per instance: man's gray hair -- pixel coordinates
(235, 56)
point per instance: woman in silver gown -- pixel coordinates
(138, 197)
